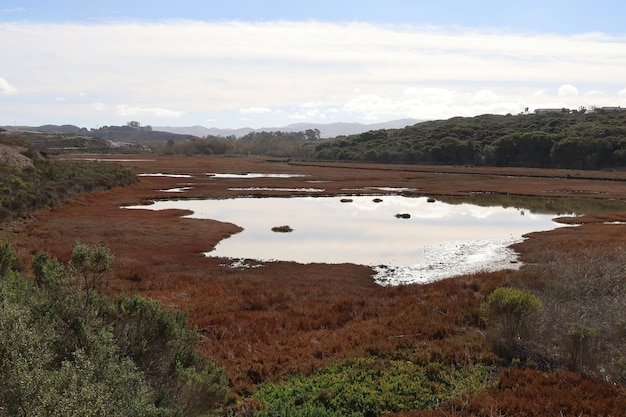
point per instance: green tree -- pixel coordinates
(312, 134)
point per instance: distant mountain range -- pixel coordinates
(61, 129)
(330, 130)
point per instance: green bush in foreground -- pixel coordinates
(368, 387)
(507, 312)
(65, 352)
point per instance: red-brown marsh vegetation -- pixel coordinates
(265, 321)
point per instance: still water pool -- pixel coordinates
(429, 241)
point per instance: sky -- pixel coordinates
(246, 63)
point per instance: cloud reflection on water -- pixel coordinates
(367, 232)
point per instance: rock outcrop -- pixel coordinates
(11, 155)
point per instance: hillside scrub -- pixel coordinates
(48, 182)
(557, 140)
(65, 350)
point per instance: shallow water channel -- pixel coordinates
(430, 241)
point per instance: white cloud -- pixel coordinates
(430, 95)
(371, 106)
(622, 92)
(312, 105)
(485, 96)
(255, 110)
(307, 113)
(6, 89)
(420, 103)
(361, 71)
(126, 110)
(568, 90)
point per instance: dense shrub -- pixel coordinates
(49, 182)
(8, 259)
(580, 141)
(507, 311)
(162, 346)
(89, 266)
(62, 353)
(40, 378)
(371, 387)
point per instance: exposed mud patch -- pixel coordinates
(451, 259)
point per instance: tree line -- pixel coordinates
(272, 143)
(556, 140)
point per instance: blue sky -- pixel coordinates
(272, 63)
(561, 16)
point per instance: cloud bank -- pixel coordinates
(6, 88)
(273, 72)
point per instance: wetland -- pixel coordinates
(430, 240)
(285, 317)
